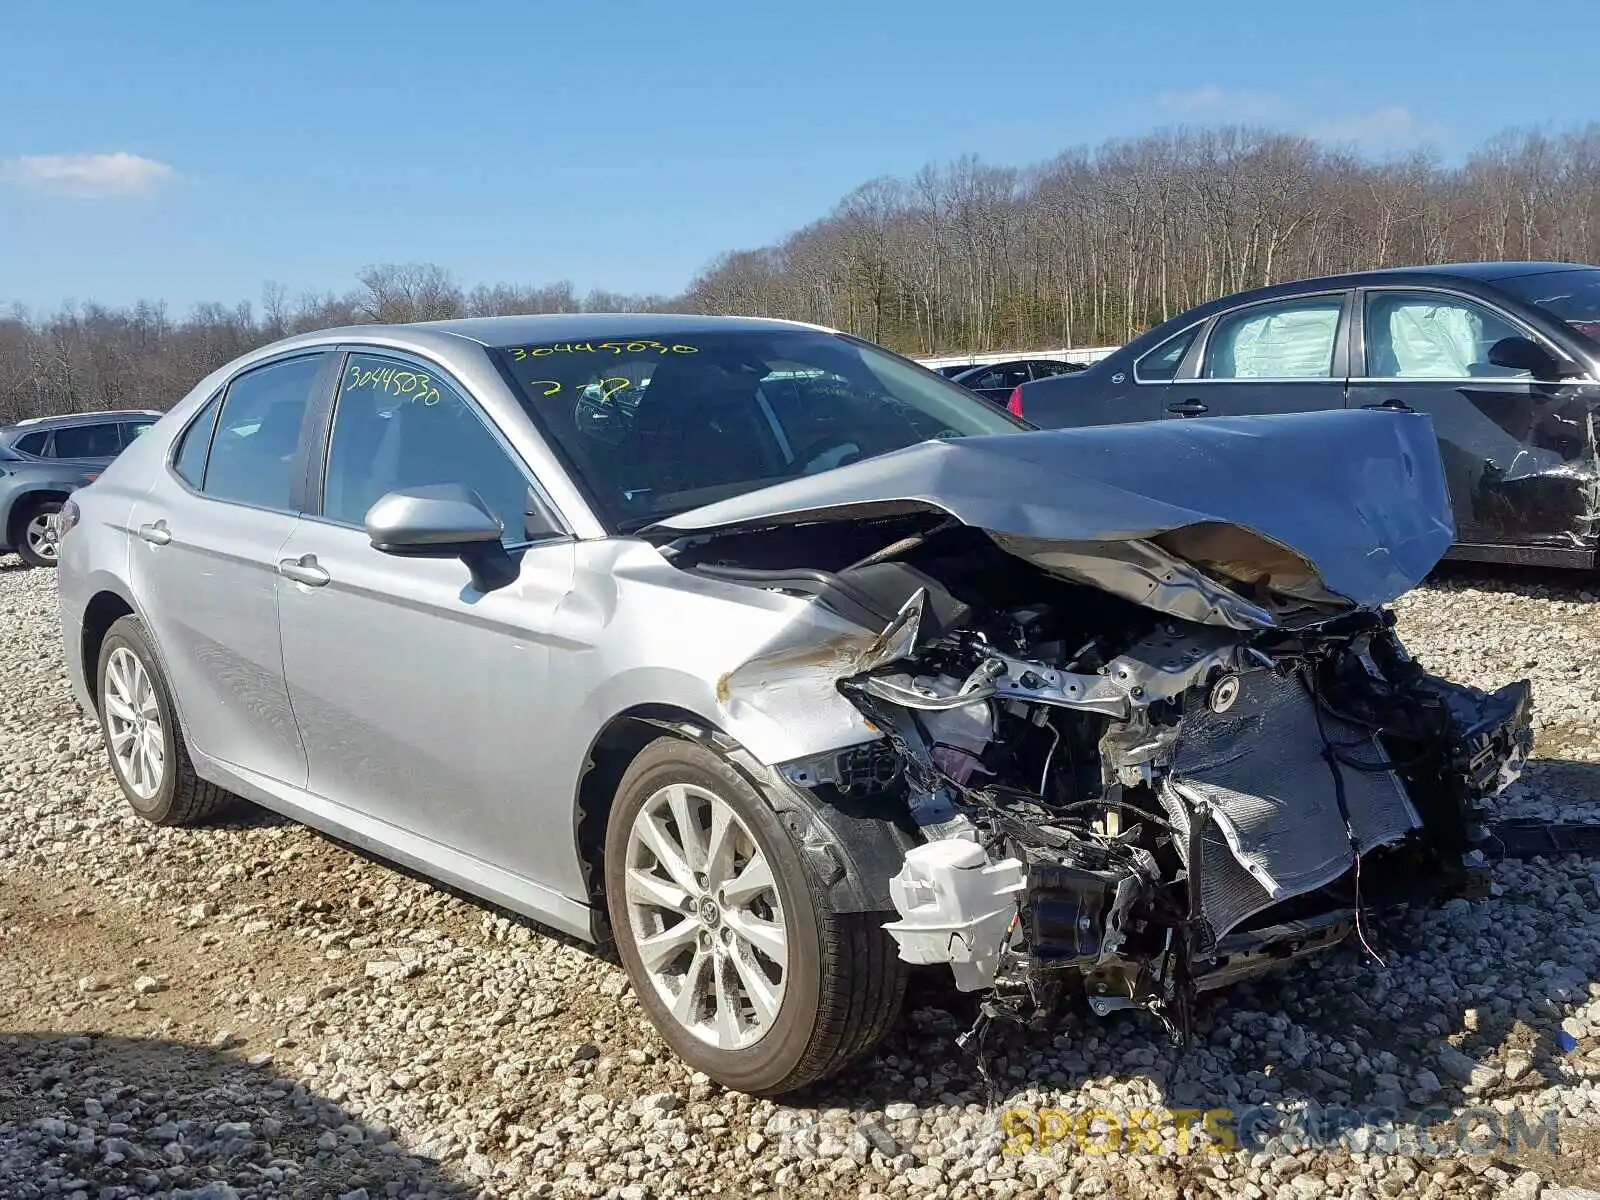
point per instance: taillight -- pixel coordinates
(1014, 405)
(66, 518)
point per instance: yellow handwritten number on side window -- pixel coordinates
(416, 386)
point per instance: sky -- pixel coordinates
(194, 152)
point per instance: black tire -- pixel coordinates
(844, 982)
(29, 513)
(182, 798)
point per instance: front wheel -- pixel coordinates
(37, 545)
(734, 949)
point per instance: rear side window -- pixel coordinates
(1162, 363)
(258, 433)
(190, 461)
(88, 441)
(132, 430)
(1290, 340)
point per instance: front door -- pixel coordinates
(204, 565)
(419, 697)
(1502, 435)
(1277, 356)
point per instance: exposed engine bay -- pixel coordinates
(1114, 801)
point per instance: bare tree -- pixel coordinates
(1089, 247)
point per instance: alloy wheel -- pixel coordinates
(40, 535)
(133, 723)
(706, 916)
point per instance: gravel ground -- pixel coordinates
(250, 1009)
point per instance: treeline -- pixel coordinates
(1086, 249)
(90, 356)
(1098, 244)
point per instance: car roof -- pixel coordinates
(1473, 274)
(1013, 362)
(60, 420)
(517, 330)
(1484, 271)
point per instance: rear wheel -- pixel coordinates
(36, 543)
(142, 735)
(733, 948)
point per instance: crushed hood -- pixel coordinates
(1225, 521)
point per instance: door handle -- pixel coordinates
(1187, 408)
(156, 534)
(1391, 406)
(303, 570)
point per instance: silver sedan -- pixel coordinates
(784, 663)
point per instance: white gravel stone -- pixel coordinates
(408, 1043)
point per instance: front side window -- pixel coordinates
(1432, 335)
(1292, 339)
(258, 432)
(396, 426)
(88, 441)
(1162, 363)
(654, 425)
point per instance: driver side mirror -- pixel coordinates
(1525, 354)
(445, 520)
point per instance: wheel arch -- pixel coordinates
(851, 850)
(23, 503)
(105, 608)
(616, 746)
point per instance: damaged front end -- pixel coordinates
(1150, 750)
(1146, 815)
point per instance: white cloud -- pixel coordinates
(86, 176)
(1393, 127)
(1212, 103)
(1387, 128)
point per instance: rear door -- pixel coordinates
(99, 441)
(1274, 356)
(1500, 431)
(204, 563)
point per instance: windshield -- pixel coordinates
(1571, 296)
(654, 426)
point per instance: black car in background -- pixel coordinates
(1504, 357)
(996, 381)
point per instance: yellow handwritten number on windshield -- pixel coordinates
(642, 346)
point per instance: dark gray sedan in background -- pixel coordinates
(1505, 357)
(996, 381)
